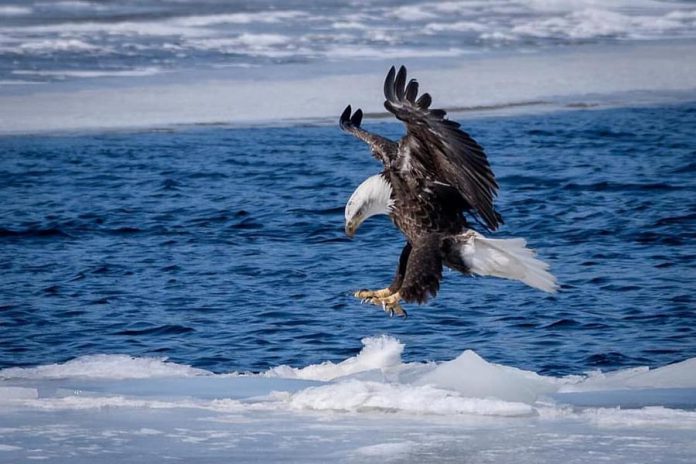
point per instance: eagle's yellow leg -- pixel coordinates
(372, 294)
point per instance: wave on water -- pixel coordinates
(375, 380)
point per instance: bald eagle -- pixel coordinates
(432, 177)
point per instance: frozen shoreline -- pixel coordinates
(368, 408)
(579, 76)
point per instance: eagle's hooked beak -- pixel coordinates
(351, 227)
(353, 224)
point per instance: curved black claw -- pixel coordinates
(393, 309)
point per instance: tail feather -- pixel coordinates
(507, 258)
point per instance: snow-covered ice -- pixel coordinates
(368, 408)
(605, 75)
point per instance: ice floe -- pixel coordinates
(371, 407)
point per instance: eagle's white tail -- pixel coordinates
(507, 258)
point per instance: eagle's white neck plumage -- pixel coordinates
(372, 197)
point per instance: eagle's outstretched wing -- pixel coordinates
(382, 148)
(446, 153)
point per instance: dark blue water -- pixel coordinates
(223, 247)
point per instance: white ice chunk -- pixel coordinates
(360, 396)
(105, 366)
(377, 353)
(473, 376)
(678, 375)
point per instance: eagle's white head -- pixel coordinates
(372, 197)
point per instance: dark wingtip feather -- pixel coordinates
(412, 90)
(357, 118)
(402, 71)
(400, 83)
(424, 101)
(345, 116)
(389, 84)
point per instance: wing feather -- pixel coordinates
(424, 101)
(382, 148)
(445, 151)
(412, 91)
(389, 84)
(400, 83)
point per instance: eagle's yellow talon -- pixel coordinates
(386, 298)
(369, 295)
